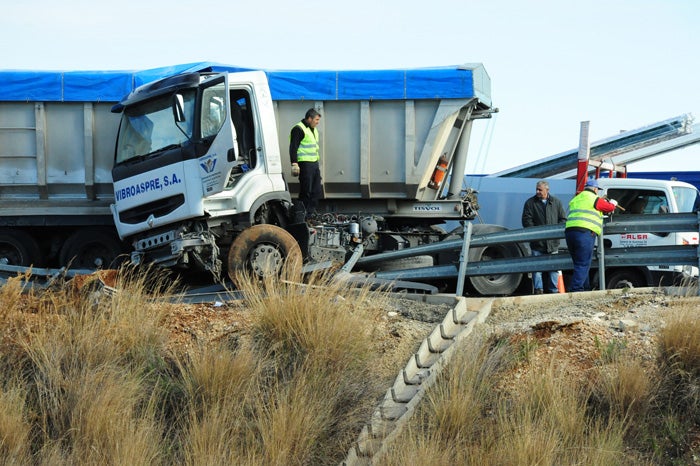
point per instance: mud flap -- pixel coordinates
(300, 232)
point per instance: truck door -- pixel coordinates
(216, 129)
(234, 112)
(254, 123)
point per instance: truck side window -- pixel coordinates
(213, 111)
(657, 204)
(242, 119)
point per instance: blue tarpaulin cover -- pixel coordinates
(464, 81)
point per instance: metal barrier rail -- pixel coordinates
(612, 257)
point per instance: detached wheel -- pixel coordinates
(404, 263)
(91, 249)
(494, 285)
(18, 248)
(262, 251)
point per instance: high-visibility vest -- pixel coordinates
(582, 214)
(308, 147)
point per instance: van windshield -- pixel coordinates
(688, 199)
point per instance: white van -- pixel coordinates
(650, 197)
(501, 202)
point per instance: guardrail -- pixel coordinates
(688, 255)
(607, 257)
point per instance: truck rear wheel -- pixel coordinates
(494, 285)
(91, 249)
(18, 248)
(262, 251)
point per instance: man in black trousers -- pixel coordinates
(304, 156)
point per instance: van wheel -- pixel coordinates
(91, 249)
(625, 279)
(262, 251)
(18, 248)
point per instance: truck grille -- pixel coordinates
(157, 208)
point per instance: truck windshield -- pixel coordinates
(148, 127)
(688, 199)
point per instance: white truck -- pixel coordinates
(199, 176)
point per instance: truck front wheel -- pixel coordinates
(262, 251)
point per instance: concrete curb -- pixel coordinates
(420, 372)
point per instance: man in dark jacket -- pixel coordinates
(544, 209)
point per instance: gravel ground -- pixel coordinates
(641, 309)
(573, 327)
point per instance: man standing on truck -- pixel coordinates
(543, 209)
(584, 225)
(303, 153)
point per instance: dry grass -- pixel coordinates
(91, 381)
(677, 400)
(625, 413)
(468, 420)
(679, 344)
(88, 379)
(14, 424)
(86, 376)
(314, 343)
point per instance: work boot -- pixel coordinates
(538, 291)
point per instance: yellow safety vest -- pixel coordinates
(308, 147)
(582, 214)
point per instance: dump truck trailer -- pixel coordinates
(57, 138)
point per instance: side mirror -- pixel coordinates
(179, 108)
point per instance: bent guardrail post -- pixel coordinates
(600, 248)
(464, 258)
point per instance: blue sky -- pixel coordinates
(618, 64)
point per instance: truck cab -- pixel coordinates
(193, 164)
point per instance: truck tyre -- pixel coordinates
(261, 251)
(19, 248)
(91, 249)
(494, 285)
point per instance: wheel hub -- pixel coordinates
(265, 260)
